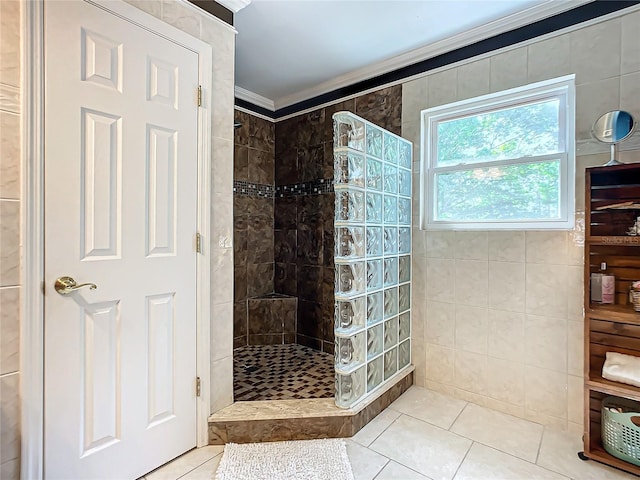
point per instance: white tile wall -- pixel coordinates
(10, 155)
(503, 310)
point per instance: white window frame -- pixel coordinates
(562, 88)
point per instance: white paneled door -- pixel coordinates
(121, 122)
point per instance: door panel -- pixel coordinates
(120, 212)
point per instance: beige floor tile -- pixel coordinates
(427, 449)
(206, 471)
(365, 463)
(485, 463)
(375, 427)
(506, 433)
(430, 406)
(185, 463)
(558, 452)
(395, 471)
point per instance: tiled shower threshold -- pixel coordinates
(277, 420)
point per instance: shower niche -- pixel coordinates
(372, 225)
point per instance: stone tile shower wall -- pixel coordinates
(304, 204)
(253, 187)
(372, 175)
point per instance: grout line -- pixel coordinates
(457, 417)
(544, 429)
(197, 466)
(380, 471)
(215, 456)
(463, 459)
(384, 430)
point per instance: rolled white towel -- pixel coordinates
(622, 368)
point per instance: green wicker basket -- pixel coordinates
(620, 436)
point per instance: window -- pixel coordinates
(501, 161)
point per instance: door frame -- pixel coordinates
(32, 223)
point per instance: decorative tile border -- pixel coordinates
(314, 187)
(241, 187)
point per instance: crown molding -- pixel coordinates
(510, 22)
(254, 98)
(234, 5)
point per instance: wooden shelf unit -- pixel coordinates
(609, 328)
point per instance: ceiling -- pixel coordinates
(293, 50)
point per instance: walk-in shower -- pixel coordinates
(335, 321)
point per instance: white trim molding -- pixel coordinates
(234, 5)
(254, 98)
(469, 37)
(32, 231)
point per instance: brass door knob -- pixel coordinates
(66, 285)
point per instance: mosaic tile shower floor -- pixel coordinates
(281, 372)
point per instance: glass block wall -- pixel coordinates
(372, 176)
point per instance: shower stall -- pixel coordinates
(335, 320)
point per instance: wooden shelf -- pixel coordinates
(599, 454)
(608, 387)
(619, 313)
(610, 327)
(626, 240)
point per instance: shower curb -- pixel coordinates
(280, 420)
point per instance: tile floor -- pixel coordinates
(282, 372)
(426, 435)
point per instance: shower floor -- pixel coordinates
(281, 372)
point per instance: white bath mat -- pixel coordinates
(295, 460)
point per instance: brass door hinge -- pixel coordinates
(199, 95)
(198, 387)
(198, 243)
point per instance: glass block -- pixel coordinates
(390, 148)
(374, 241)
(404, 182)
(349, 242)
(404, 354)
(348, 132)
(390, 363)
(374, 174)
(349, 205)
(374, 141)
(405, 153)
(404, 211)
(390, 209)
(350, 314)
(404, 297)
(390, 240)
(350, 387)
(404, 326)
(404, 240)
(374, 274)
(374, 340)
(373, 209)
(390, 179)
(374, 373)
(390, 333)
(375, 306)
(349, 169)
(404, 269)
(390, 302)
(350, 351)
(350, 278)
(390, 271)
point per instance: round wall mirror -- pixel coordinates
(613, 127)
